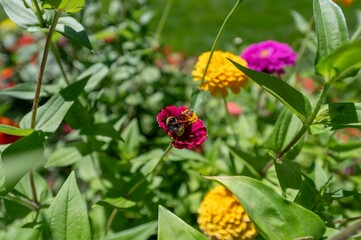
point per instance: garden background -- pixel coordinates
(125, 119)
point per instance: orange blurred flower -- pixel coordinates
(6, 138)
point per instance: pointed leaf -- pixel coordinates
(172, 227)
(331, 28)
(15, 131)
(290, 97)
(22, 91)
(274, 216)
(49, 116)
(19, 13)
(335, 116)
(343, 62)
(67, 216)
(19, 158)
(70, 28)
(289, 174)
(72, 92)
(69, 6)
(141, 232)
(119, 203)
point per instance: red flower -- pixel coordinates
(6, 138)
(183, 126)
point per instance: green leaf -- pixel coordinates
(285, 129)
(69, 6)
(15, 131)
(22, 91)
(49, 116)
(335, 116)
(62, 157)
(331, 28)
(19, 158)
(97, 73)
(101, 129)
(141, 232)
(70, 28)
(290, 97)
(274, 216)
(67, 216)
(308, 195)
(289, 174)
(120, 203)
(343, 62)
(19, 13)
(72, 91)
(172, 227)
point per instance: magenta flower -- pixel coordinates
(269, 57)
(183, 126)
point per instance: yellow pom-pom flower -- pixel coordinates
(221, 73)
(221, 216)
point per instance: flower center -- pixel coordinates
(189, 116)
(265, 53)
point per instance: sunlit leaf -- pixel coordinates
(119, 203)
(67, 216)
(274, 216)
(22, 91)
(172, 227)
(19, 158)
(70, 28)
(290, 97)
(19, 13)
(69, 6)
(331, 28)
(15, 131)
(140, 232)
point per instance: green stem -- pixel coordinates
(23, 201)
(302, 131)
(57, 59)
(110, 221)
(154, 173)
(220, 33)
(42, 68)
(38, 13)
(163, 19)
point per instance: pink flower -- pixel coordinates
(269, 57)
(234, 109)
(183, 126)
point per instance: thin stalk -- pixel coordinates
(38, 13)
(110, 221)
(310, 120)
(42, 68)
(154, 173)
(348, 232)
(163, 19)
(23, 201)
(33, 189)
(55, 52)
(220, 33)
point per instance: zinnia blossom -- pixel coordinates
(269, 56)
(221, 73)
(6, 138)
(221, 216)
(183, 126)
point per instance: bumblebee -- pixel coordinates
(175, 125)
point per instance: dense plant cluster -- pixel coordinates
(106, 133)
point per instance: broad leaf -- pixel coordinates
(19, 13)
(335, 116)
(22, 91)
(19, 158)
(62, 157)
(343, 62)
(274, 216)
(67, 216)
(172, 227)
(289, 174)
(70, 28)
(290, 97)
(141, 232)
(101, 129)
(285, 129)
(119, 203)
(49, 116)
(69, 6)
(15, 131)
(331, 28)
